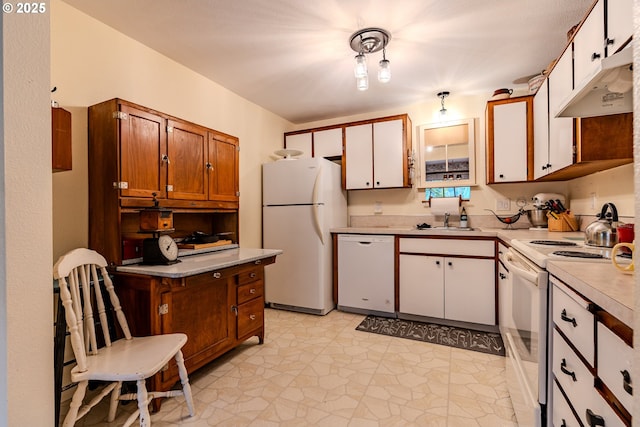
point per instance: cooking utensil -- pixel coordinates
(603, 231)
(509, 220)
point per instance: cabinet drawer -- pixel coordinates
(614, 363)
(250, 276)
(250, 317)
(562, 413)
(250, 291)
(571, 316)
(573, 376)
(448, 246)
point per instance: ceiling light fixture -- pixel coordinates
(367, 41)
(442, 95)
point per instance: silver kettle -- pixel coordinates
(603, 231)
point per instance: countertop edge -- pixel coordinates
(202, 263)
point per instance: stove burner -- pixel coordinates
(577, 254)
(626, 255)
(553, 243)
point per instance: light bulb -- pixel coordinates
(384, 71)
(362, 82)
(360, 69)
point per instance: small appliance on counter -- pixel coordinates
(543, 203)
(603, 231)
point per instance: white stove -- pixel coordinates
(540, 251)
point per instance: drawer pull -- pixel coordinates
(252, 290)
(564, 423)
(258, 262)
(626, 382)
(234, 309)
(252, 316)
(563, 368)
(566, 318)
(217, 275)
(593, 419)
(252, 275)
(502, 276)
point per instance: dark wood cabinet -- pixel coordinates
(60, 139)
(217, 311)
(135, 152)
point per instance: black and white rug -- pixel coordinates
(484, 342)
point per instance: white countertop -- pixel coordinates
(201, 263)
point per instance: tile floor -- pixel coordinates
(320, 371)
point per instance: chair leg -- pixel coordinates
(115, 399)
(143, 404)
(76, 402)
(184, 379)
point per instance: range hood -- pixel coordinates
(608, 90)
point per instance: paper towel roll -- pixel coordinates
(441, 205)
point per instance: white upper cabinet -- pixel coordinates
(541, 131)
(588, 44)
(376, 154)
(388, 154)
(359, 156)
(509, 132)
(327, 143)
(619, 24)
(560, 128)
(300, 141)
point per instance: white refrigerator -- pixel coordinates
(301, 200)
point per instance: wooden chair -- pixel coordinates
(127, 359)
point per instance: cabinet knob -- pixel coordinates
(252, 291)
(367, 183)
(544, 167)
(378, 183)
(564, 423)
(501, 175)
(450, 264)
(258, 262)
(234, 309)
(165, 159)
(594, 419)
(252, 275)
(502, 276)
(594, 56)
(252, 316)
(209, 166)
(217, 275)
(437, 262)
(609, 41)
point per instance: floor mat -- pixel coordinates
(484, 342)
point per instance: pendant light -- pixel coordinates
(442, 95)
(365, 42)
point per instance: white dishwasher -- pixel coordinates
(366, 274)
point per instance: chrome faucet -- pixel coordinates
(446, 219)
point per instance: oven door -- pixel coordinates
(526, 338)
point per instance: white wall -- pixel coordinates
(26, 350)
(91, 63)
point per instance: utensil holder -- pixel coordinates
(564, 222)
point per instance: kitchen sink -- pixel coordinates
(452, 228)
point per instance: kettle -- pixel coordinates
(602, 232)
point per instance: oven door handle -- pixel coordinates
(513, 266)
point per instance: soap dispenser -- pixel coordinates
(463, 218)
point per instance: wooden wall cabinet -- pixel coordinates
(217, 310)
(60, 139)
(136, 152)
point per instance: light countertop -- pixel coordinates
(202, 263)
(602, 283)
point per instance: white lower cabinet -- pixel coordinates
(454, 288)
(583, 376)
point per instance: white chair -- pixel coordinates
(127, 359)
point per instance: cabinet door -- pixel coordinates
(223, 168)
(422, 285)
(619, 24)
(561, 140)
(143, 145)
(588, 45)
(300, 141)
(388, 154)
(510, 139)
(541, 131)
(202, 309)
(60, 139)
(359, 157)
(327, 143)
(187, 147)
(469, 290)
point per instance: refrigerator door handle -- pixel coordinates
(316, 220)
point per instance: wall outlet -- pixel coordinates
(503, 204)
(593, 200)
(377, 208)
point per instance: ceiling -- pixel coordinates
(293, 58)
